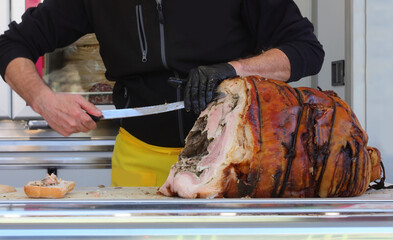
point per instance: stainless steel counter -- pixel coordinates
(23, 148)
(158, 217)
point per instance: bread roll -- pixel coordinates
(49, 187)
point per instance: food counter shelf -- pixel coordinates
(140, 213)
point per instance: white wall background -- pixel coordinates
(328, 17)
(330, 22)
(379, 79)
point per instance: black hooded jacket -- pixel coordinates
(143, 42)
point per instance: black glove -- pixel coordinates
(202, 82)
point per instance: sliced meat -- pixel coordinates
(49, 180)
(267, 139)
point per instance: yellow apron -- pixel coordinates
(136, 163)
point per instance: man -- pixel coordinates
(142, 44)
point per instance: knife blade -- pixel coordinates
(141, 111)
(118, 113)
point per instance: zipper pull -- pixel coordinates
(160, 14)
(144, 57)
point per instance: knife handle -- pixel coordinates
(95, 118)
(181, 83)
(177, 82)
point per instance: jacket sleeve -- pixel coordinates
(52, 24)
(279, 24)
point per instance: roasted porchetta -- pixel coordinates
(267, 139)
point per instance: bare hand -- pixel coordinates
(66, 113)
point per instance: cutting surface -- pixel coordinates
(124, 193)
(97, 193)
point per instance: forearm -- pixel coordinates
(65, 113)
(23, 78)
(273, 64)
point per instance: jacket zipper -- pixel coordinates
(141, 32)
(162, 33)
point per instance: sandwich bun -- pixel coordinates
(41, 189)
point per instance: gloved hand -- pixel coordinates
(201, 84)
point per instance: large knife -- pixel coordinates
(141, 111)
(127, 112)
(119, 113)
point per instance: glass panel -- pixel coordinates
(79, 69)
(5, 91)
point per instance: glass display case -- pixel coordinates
(5, 91)
(75, 69)
(78, 69)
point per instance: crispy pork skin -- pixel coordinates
(267, 139)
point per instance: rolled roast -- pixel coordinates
(267, 139)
